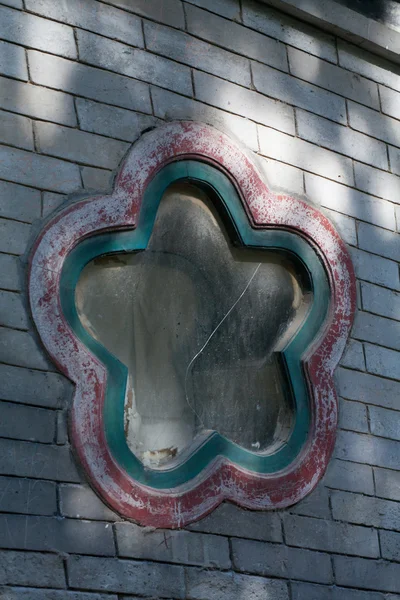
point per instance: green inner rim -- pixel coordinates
(218, 184)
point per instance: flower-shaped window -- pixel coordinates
(201, 317)
(199, 323)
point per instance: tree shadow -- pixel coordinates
(228, 111)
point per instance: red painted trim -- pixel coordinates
(221, 480)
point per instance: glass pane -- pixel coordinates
(198, 323)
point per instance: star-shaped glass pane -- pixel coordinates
(199, 323)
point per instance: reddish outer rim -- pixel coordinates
(222, 480)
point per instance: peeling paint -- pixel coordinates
(221, 480)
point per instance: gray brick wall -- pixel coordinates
(79, 82)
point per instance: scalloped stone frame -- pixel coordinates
(222, 479)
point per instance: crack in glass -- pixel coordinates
(199, 323)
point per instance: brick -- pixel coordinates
(51, 534)
(305, 155)
(377, 330)
(394, 157)
(168, 105)
(33, 387)
(366, 510)
(315, 504)
(19, 202)
(387, 484)
(13, 3)
(20, 349)
(38, 461)
(35, 594)
(51, 201)
(112, 121)
(181, 547)
(341, 139)
(390, 102)
(375, 269)
(198, 54)
(105, 20)
(237, 38)
(80, 502)
(27, 423)
(12, 310)
(9, 274)
(349, 476)
(288, 89)
(14, 236)
(37, 102)
(319, 534)
(349, 201)
(390, 544)
(245, 103)
(380, 301)
(377, 183)
(13, 61)
(358, 447)
(129, 61)
(89, 82)
(98, 180)
(126, 576)
(379, 241)
(353, 416)
(233, 521)
(34, 32)
(364, 387)
(345, 226)
(374, 123)
(62, 427)
(353, 357)
(333, 78)
(226, 8)
(38, 171)
(31, 568)
(367, 574)
(300, 591)
(289, 30)
(277, 560)
(203, 585)
(27, 496)
(282, 177)
(370, 65)
(382, 361)
(358, 295)
(169, 12)
(384, 422)
(79, 146)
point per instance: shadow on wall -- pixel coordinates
(103, 97)
(298, 123)
(386, 11)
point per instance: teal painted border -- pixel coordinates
(216, 182)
